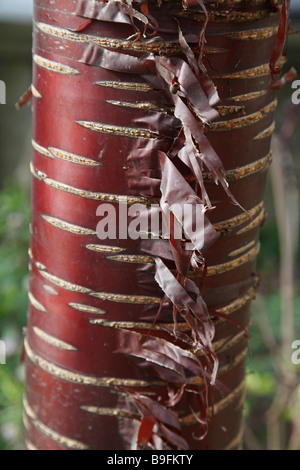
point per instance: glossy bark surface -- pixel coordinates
(92, 117)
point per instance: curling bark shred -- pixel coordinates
(142, 343)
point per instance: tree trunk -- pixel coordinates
(140, 341)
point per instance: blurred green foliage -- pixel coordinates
(14, 243)
(261, 373)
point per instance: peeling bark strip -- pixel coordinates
(142, 343)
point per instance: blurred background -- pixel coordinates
(272, 408)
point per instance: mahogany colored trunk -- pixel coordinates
(107, 123)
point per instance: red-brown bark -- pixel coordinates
(110, 119)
